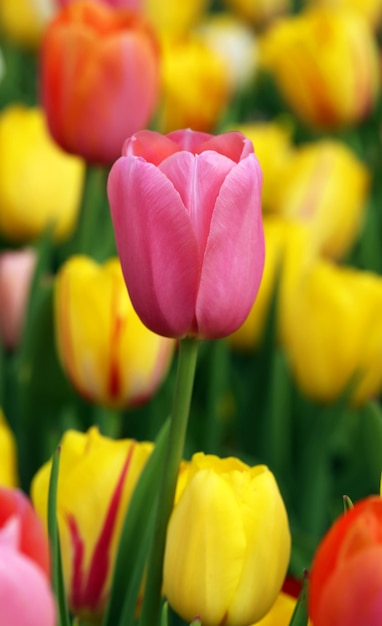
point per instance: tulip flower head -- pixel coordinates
(25, 595)
(186, 210)
(96, 480)
(99, 78)
(346, 577)
(109, 355)
(228, 543)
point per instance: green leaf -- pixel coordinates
(300, 613)
(134, 541)
(57, 576)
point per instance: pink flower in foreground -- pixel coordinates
(16, 271)
(25, 595)
(186, 209)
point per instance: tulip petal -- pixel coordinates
(156, 244)
(152, 146)
(189, 140)
(213, 554)
(232, 145)
(230, 281)
(198, 179)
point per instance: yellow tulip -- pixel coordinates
(108, 354)
(195, 86)
(332, 333)
(97, 476)
(326, 65)
(8, 469)
(235, 42)
(288, 253)
(311, 189)
(259, 12)
(24, 21)
(273, 148)
(228, 543)
(40, 185)
(172, 18)
(280, 613)
(371, 10)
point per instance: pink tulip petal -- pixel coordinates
(25, 596)
(188, 139)
(198, 179)
(233, 145)
(156, 244)
(230, 281)
(152, 146)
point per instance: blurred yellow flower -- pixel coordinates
(24, 21)
(96, 479)
(288, 253)
(231, 529)
(326, 65)
(332, 332)
(235, 42)
(172, 18)
(40, 185)
(8, 463)
(371, 10)
(259, 12)
(196, 86)
(108, 354)
(273, 148)
(311, 189)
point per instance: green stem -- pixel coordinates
(178, 426)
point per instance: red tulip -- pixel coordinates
(187, 218)
(346, 577)
(99, 78)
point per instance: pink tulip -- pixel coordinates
(16, 271)
(132, 5)
(26, 598)
(186, 211)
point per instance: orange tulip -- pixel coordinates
(99, 78)
(346, 578)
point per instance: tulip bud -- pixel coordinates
(186, 212)
(97, 476)
(195, 86)
(51, 189)
(230, 527)
(99, 78)
(108, 354)
(325, 63)
(311, 189)
(332, 333)
(16, 272)
(8, 471)
(346, 576)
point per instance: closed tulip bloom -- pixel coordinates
(8, 469)
(371, 10)
(108, 354)
(99, 78)
(187, 218)
(346, 575)
(311, 189)
(52, 181)
(16, 272)
(172, 18)
(196, 86)
(26, 598)
(332, 333)
(97, 476)
(325, 63)
(281, 611)
(228, 543)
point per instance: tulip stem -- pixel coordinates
(188, 349)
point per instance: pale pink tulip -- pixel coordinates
(16, 271)
(25, 595)
(186, 209)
